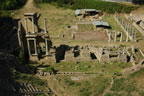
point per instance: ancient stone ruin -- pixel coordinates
(34, 41)
(102, 54)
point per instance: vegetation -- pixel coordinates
(128, 86)
(50, 70)
(91, 67)
(4, 17)
(69, 82)
(84, 92)
(85, 86)
(140, 2)
(11, 4)
(123, 84)
(29, 78)
(114, 94)
(138, 73)
(109, 7)
(5, 6)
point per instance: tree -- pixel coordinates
(140, 2)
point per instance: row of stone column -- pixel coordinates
(114, 38)
(130, 31)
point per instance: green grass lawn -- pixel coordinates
(90, 66)
(110, 19)
(57, 18)
(85, 27)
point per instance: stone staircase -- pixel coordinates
(20, 89)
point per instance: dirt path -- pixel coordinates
(108, 89)
(28, 7)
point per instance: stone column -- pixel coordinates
(109, 35)
(33, 25)
(26, 28)
(35, 45)
(45, 27)
(122, 22)
(46, 44)
(127, 37)
(128, 27)
(28, 47)
(121, 37)
(115, 36)
(135, 39)
(134, 36)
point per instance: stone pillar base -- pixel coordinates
(33, 59)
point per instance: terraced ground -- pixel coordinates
(110, 79)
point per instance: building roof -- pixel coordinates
(77, 12)
(29, 14)
(89, 10)
(100, 23)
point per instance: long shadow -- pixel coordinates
(8, 33)
(60, 52)
(9, 56)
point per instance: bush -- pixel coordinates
(84, 92)
(11, 4)
(140, 2)
(110, 7)
(70, 82)
(123, 84)
(50, 70)
(138, 73)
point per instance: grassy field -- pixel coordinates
(89, 85)
(90, 66)
(92, 4)
(86, 86)
(57, 19)
(114, 25)
(93, 85)
(129, 86)
(85, 27)
(110, 19)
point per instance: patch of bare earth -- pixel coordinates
(98, 36)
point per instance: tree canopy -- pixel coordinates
(11, 4)
(140, 2)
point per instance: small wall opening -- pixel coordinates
(76, 51)
(32, 47)
(113, 56)
(92, 55)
